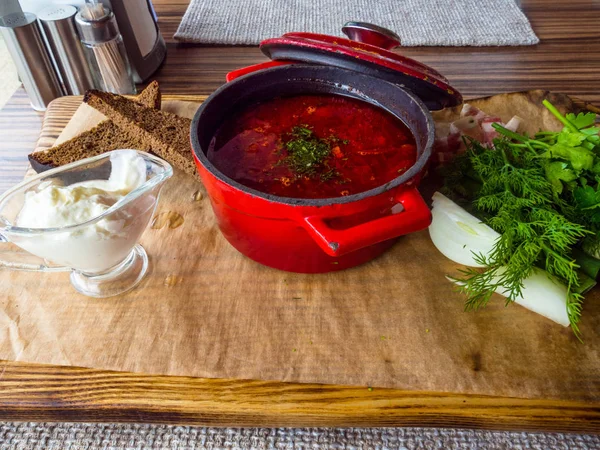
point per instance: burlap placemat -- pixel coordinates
(418, 22)
(79, 436)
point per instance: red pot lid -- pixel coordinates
(368, 52)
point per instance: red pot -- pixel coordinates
(314, 235)
(321, 235)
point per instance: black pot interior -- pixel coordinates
(306, 79)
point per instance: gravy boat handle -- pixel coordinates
(13, 258)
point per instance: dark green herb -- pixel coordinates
(328, 174)
(306, 152)
(308, 155)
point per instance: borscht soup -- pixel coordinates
(313, 146)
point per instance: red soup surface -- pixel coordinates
(313, 146)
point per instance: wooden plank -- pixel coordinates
(53, 393)
(43, 392)
(19, 130)
(567, 60)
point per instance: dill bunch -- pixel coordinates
(518, 201)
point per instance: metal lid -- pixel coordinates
(17, 19)
(56, 12)
(101, 29)
(368, 52)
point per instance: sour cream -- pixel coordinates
(102, 243)
(55, 206)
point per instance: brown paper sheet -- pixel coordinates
(394, 322)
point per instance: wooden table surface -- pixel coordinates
(567, 60)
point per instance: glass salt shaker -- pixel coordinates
(104, 48)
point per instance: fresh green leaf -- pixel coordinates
(594, 217)
(579, 157)
(570, 139)
(557, 172)
(588, 264)
(581, 120)
(592, 131)
(566, 122)
(586, 197)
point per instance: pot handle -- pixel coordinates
(254, 68)
(416, 216)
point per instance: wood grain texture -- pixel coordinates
(54, 393)
(567, 60)
(19, 130)
(39, 392)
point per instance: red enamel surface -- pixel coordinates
(246, 70)
(384, 58)
(363, 49)
(314, 239)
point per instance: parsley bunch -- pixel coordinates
(542, 195)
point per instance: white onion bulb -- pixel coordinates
(458, 234)
(543, 295)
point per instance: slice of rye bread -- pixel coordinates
(168, 135)
(104, 137)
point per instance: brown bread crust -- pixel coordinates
(150, 96)
(104, 137)
(165, 134)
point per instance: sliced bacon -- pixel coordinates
(489, 133)
(514, 123)
(473, 123)
(470, 111)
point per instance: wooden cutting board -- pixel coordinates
(205, 310)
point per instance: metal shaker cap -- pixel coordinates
(17, 19)
(101, 29)
(23, 37)
(56, 13)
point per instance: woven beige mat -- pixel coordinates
(418, 22)
(79, 436)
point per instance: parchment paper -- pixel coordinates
(393, 322)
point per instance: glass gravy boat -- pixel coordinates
(102, 263)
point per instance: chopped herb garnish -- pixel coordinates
(328, 175)
(302, 131)
(308, 154)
